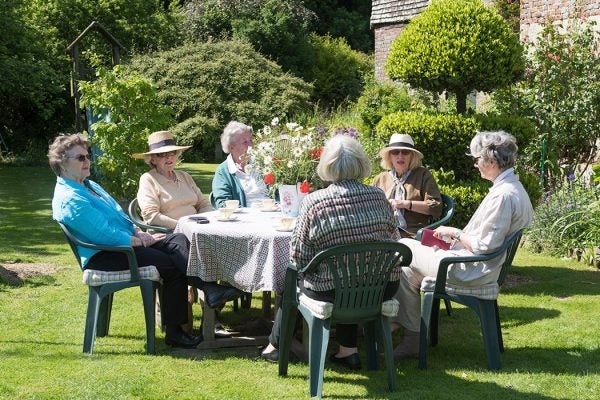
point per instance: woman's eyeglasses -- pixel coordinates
(404, 152)
(81, 157)
(167, 154)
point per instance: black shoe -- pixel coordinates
(218, 295)
(179, 338)
(272, 357)
(352, 361)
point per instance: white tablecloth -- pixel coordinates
(249, 252)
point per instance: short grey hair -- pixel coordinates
(498, 146)
(231, 132)
(343, 158)
(58, 149)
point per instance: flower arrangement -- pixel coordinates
(287, 154)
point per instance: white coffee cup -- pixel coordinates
(226, 213)
(232, 204)
(268, 204)
(286, 223)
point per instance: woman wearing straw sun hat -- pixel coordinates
(410, 188)
(166, 194)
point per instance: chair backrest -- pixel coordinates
(447, 213)
(135, 217)
(512, 244)
(72, 240)
(361, 272)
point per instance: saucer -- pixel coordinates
(271, 209)
(232, 218)
(283, 229)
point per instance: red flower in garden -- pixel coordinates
(305, 187)
(316, 153)
(269, 178)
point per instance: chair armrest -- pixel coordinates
(155, 228)
(127, 250)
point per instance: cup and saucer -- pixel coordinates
(269, 205)
(234, 204)
(285, 224)
(226, 214)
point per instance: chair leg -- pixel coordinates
(434, 322)
(388, 348)
(104, 315)
(426, 311)
(288, 322)
(500, 340)
(372, 338)
(489, 330)
(147, 289)
(448, 305)
(91, 320)
(318, 341)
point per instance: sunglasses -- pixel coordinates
(167, 154)
(404, 152)
(81, 157)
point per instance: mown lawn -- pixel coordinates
(549, 319)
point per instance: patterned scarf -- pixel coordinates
(399, 193)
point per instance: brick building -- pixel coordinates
(389, 17)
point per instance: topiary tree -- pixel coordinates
(209, 84)
(458, 46)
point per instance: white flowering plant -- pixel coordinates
(287, 154)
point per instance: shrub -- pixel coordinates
(213, 83)
(338, 72)
(458, 46)
(381, 99)
(560, 95)
(135, 111)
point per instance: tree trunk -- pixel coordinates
(461, 102)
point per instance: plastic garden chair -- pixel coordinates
(361, 272)
(482, 300)
(103, 285)
(134, 215)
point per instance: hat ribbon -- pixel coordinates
(160, 144)
(401, 144)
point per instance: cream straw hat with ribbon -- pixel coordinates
(400, 141)
(160, 142)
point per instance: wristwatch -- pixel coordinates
(458, 234)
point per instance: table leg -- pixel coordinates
(266, 304)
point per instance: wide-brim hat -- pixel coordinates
(400, 141)
(160, 142)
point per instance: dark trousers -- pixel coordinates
(346, 334)
(170, 256)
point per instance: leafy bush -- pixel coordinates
(135, 112)
(209, 84)
(466, 195)
(338, 72)
(560, 95)
(381, 99)
(458, 46)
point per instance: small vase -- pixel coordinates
(290, 199)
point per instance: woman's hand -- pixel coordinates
(399, 204)
(446, 231)
(146, 238)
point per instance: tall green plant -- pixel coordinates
(560, 94)
(458, 46)
(134, 111)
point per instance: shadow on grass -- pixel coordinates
(555, 281)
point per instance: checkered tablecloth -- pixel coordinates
(249, 252)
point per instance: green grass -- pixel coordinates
(550, 325)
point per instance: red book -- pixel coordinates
(428, 239)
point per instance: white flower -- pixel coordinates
(290, 164)
(267, 160)
(275, 121)
(291, 125)
(267, 130)
(298, 128)
(297, 151)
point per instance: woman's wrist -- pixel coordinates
(457, 234)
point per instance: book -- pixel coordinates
(428, 239)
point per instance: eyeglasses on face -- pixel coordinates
(404, 152)
(167, 154)
(81, 157)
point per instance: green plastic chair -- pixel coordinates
(134, 215)
(361, 272)
(486, 310)
(100, 296)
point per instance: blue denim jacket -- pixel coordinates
(92, 219)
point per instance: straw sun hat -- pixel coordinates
(160, 142)
(400, 141)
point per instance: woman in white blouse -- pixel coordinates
(505, 210)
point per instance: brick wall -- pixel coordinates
(384, 37)
(536, 13)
